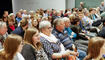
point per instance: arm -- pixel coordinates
(73, 35)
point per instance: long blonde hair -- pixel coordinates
(11, 46)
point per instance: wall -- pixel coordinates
(35, 4)
(70, 3)
(89, 3)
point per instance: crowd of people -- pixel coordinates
(70, 34)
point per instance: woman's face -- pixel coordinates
(47, 30)
(35, 23)
(36, 38)
(10, 22)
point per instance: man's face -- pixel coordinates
(3, 29)
(81, 16)
(62, 25)
(67, 23)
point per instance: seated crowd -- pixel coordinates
(73, 34)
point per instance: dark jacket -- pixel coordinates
(28, 52)
(102, 32)
(18, 31)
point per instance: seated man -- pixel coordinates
(3, 30)
(62, 35)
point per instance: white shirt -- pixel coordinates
(18, 57)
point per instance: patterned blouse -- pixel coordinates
(50, 47)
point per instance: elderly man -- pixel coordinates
(64, 38)
(3, 34)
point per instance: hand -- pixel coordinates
(73, 46)
(87, 37)
(65, 53)
(74, 53)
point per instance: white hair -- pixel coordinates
(31, 12)
(65, 19)
(58, 21)
(43, 24)
(11, 14)
(2, 24)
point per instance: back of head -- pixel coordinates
(11, 43)
(94, 47)
(11, 46)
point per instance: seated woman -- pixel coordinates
(52, 46)
(12, 46)
(96, 48)
(32, 50)
(10, 26)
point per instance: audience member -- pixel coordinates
(32, 50)
(12, 48)
(96, 49)
(3, 30)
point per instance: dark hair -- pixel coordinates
(75, 20)
(23, 22)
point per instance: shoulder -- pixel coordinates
(17, 30)
(18, 57)
(27, 46)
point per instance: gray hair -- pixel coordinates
(43, 24)
(57, 21)
(2, 24)
(65, 19)
(11, 14)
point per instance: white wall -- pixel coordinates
(35, 4)
(70, 3)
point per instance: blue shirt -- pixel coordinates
(18, 19)
(69, 31)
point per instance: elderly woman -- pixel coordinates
(96, 48)
(52, 46)
(32, 50)
(12, 46)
